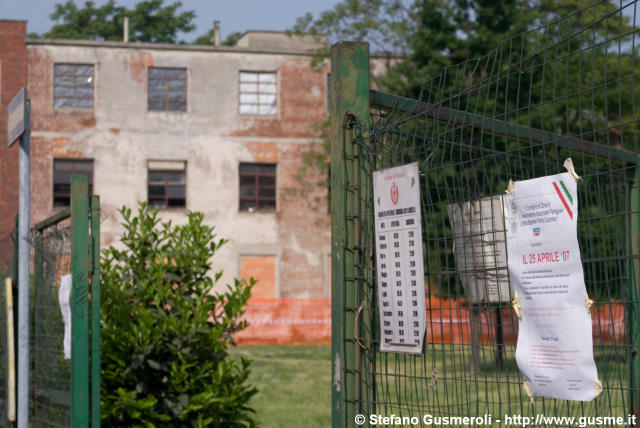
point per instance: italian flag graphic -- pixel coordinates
(562, 194)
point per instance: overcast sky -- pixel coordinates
(234, 15)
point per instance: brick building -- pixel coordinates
(215, 129)
(13, 76)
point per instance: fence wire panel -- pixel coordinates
(568, 89)
(51, 372)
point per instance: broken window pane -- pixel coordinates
(257, 93)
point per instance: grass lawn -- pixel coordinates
(403, 385)
(294, 384)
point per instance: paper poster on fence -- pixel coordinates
(480, 248)
(555, 348)
(64, 296)
(398, 227)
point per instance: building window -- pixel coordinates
(73, 85)
(167, 184)
(167, 89)
(62, 171)
(258, 93)
(257, 187)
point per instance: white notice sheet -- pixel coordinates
(396, 194)
(480, 248)
(64, 299)
(555, 349)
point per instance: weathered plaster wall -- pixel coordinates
(120, 135)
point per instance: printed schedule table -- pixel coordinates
(399, 259)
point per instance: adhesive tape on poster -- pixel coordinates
(516, 305)
(527, 389)
(510, 188)
(597, 388)
(568, 164)
(588, 302)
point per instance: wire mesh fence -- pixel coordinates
(7, 249)
(51, 369)
(64, 380)
(565, 90)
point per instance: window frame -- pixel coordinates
(276, 104)
(166, 89)
(166, 171)
(73, 86)
(256, 185)
(54, 182)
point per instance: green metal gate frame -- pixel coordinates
(84, 299)
(352, 98)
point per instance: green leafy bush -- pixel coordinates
(164, 335)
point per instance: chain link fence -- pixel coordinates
(51, 369)
(63, 390)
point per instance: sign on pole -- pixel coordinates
(398, 227)
(19, 127)
(555, 347)
(16, 113)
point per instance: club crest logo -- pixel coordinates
(394, 193)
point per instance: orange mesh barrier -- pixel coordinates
(308, 322)
(286, 322)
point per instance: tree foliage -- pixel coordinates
(571, 76)
(149, 21)
(385, 24)
(207, 39)
(432, 34)
(165, 334)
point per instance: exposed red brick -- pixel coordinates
(43, 151)
(137, 63)
(13, 75)
(303, 219)
(115, 130)
(43, 116)
(264, 152)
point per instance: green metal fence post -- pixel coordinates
(79, 301)
(350, 94)
(634, 328)
(95, 312)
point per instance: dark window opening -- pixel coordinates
(167, 89)
(63, 169)
(166, 189)
(257, 187)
